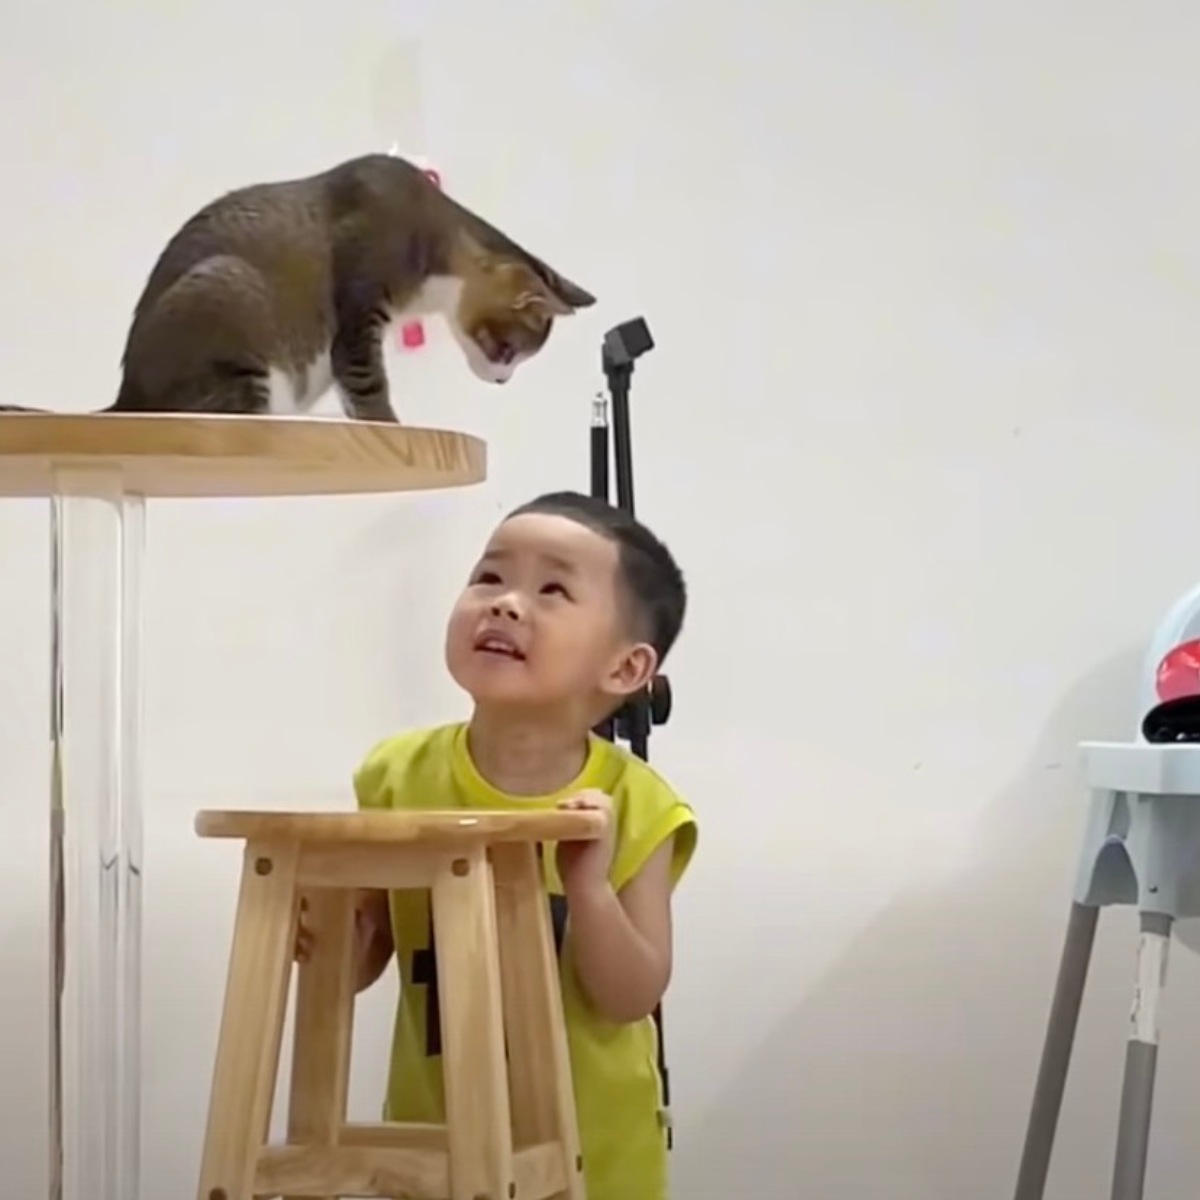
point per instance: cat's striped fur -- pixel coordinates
(274, 293)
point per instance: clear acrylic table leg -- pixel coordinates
(97, 539)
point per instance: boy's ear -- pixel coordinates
(632, 672)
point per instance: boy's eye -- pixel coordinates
(554, 589)
(487, 577)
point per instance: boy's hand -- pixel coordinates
(365, 930)
(583, 866)
(304, 934)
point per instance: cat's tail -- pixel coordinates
(127, 398)
(49, 412)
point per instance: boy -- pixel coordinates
(571, 608)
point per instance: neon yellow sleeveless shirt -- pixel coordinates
(618, 1092)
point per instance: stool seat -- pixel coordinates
(441, 827)
(511, 1130)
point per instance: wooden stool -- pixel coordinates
(510, 1131)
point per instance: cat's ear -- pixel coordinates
(551, 292)
(540, 299)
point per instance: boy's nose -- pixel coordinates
(507, 606)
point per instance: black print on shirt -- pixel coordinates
(424, 973)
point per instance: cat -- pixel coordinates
(274, 293)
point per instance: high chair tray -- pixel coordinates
(1141, 767)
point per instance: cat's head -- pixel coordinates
(505, 308)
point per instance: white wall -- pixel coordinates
(921, 426)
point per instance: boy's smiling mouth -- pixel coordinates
(499, 644)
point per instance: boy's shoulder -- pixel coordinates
(397, 758)
(622, 769)
(648, 810)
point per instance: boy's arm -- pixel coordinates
(373, 942)
(374, 789)
(622, 942)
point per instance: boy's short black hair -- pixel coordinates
(652, 581)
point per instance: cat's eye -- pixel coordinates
(505, 353)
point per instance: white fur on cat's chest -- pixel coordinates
(293, 394)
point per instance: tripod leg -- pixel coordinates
(1056, 1052)
(1141, 1058)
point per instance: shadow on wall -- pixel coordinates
(908, 1071)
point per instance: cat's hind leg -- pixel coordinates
(203, 346)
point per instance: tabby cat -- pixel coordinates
(274, 293)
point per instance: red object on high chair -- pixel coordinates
(1178, 674)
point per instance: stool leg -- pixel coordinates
(1141, 1057)
(1056, 1052)
(243, 1085)
(539, 1064)
(323, 1023)
(476, 1077)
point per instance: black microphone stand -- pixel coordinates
(622, 346)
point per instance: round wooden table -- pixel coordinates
(98, 471)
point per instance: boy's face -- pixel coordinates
(540, 622)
